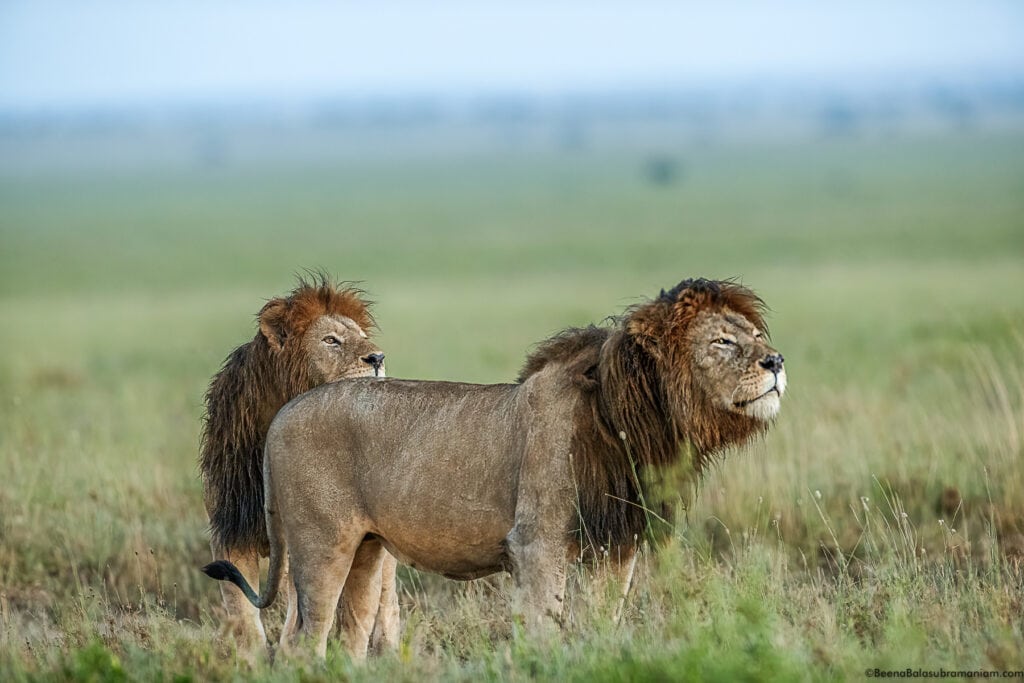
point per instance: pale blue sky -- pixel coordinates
(110, 51)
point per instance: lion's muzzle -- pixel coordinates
(375, 361)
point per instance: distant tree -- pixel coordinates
(211, 149)
(838, 118)
(953, 107)
(662, 170)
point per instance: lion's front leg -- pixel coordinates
(538, 543)
(242, 619)
(538, 570)
(612, 577)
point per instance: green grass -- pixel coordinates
(894, 270)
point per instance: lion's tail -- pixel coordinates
(222, 570)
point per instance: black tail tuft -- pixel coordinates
(222, 570)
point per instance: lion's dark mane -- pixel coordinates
(640, 410)
(242, 399)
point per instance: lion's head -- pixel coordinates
(710, 340)
(680, 377)
(320, 332)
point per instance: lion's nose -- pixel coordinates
(375, 360)
(772, 362)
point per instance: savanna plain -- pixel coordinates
(880, 523)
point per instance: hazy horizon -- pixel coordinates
(63, 55)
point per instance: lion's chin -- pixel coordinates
(764, 407)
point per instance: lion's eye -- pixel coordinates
(724, 342)
(331, 340)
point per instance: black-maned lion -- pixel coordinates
(316, 334)
(467, 480)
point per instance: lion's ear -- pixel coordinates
(585, 376)
(647, 325)
(689, 302)
(273, 323)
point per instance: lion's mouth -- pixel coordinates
(368, 372)
(744, 404)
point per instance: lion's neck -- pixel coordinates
(240, 403)
(633, 405)
(622, 430)
(248, 394)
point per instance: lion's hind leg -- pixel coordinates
(362, 599)
(386, 629)
(319, 572)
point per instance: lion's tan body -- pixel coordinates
(463, 535)
(466, 480)
(318, 333)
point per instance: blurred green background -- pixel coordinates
(474, 256)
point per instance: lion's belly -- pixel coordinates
(454, 524)
(454, 558)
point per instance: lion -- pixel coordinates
(318, 333)
(466, 480)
